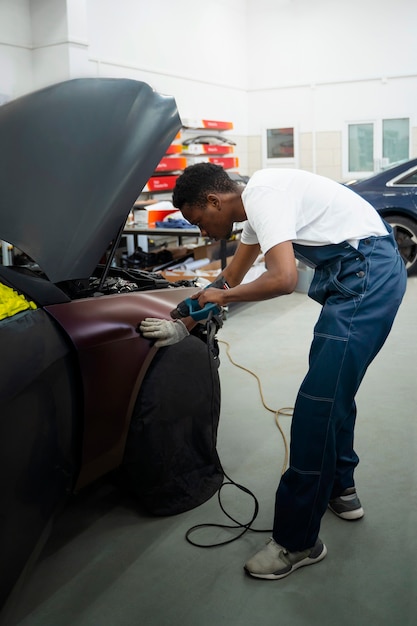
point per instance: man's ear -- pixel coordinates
(214, 199)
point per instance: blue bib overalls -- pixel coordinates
(360, 290)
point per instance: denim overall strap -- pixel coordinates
(360, 290)
(312, 256)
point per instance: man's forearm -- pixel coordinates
(240, 264)
(264, 287)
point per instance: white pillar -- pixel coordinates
(60, 41)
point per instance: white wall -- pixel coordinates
(15, 48)
(321, 63)
(324, 62)
(193, 50)
(314, 64)
(296, 42)
(317, 65)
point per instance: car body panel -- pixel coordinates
(393, 193)
(68, 391)
(386, 191)
(113, 359)
(39, 445)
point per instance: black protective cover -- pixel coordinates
(74, 158)
(171, 459)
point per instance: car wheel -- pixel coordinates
(405, 232)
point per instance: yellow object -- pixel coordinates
(11, 302)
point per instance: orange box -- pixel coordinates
(158, 215)
(171, 164)
(174, 148)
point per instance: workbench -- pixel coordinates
(138, 230)
(138, 235)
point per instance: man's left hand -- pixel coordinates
(165, 332)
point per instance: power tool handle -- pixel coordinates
(197, 313)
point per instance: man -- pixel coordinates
(359, 280)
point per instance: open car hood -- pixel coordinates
(74, 157)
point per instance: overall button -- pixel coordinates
(360, 274)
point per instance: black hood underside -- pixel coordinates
(74, 158)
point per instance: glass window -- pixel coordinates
(280, 143)
(361, 147)
(395, 139)
(372, 146)
(411, 179)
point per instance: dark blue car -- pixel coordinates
(393, 193)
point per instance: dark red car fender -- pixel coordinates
(113, 360)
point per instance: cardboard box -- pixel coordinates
(175, 275)
(207, 251)
(208, 272)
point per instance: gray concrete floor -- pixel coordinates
(107, 564)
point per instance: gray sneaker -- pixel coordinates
(347, 505)
(274, 561)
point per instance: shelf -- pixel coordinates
(154, 231)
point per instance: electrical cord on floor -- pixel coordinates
(287, 411)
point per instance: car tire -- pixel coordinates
(405, 232)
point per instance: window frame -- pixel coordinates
(279, 161)
(379, 161)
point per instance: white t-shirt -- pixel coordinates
(298, 206)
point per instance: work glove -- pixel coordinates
(165, 332)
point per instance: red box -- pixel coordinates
(171, 164)
(225, 162)
(160, 183)
(174, 148)
(217, 125)
(158, 215)
(204, 124)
